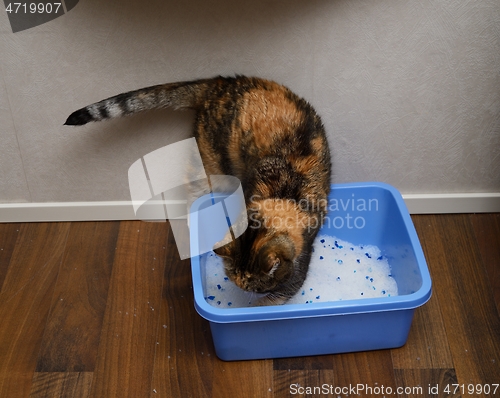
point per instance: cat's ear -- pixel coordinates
(222, 251)
(223, 247)
(270, 262)
(275, 253)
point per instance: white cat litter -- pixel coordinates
(338, 270)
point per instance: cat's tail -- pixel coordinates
(176, 95)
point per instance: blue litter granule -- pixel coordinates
(229, 304)
(383, 291)
(303, 292)
(317, 297)
(311, 289)
(358, 260)
(380, 258)
(226, 278)
(338, 277)
(211, 297)
(340, 261)
(219, 287)
(321, 257)
(322, 241)
(368, 255)
(218, 302)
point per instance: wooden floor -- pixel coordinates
(105, 309)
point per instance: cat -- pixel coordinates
(274, 142)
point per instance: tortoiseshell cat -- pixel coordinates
(275, 144)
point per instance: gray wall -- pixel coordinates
(409, 91)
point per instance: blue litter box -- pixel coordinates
(361, 213)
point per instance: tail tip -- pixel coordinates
(78, 118)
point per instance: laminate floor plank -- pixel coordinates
(185, 356)
(127, 345)
(255, 378)
(319, 362)
(370, 369)
(428, 383)
(487, 231)
(25, 301)
(72, 333)
(460, 282)
(61, 384)
(304, 383)
(427, 346)
(8, 238)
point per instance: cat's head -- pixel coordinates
(264, 256)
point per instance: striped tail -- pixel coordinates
(176, 95)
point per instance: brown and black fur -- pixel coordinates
(275, 143)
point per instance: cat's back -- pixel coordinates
(245, 120)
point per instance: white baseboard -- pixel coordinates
(123, 210)
(66, 211)
(452, 203)
(75, 211)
